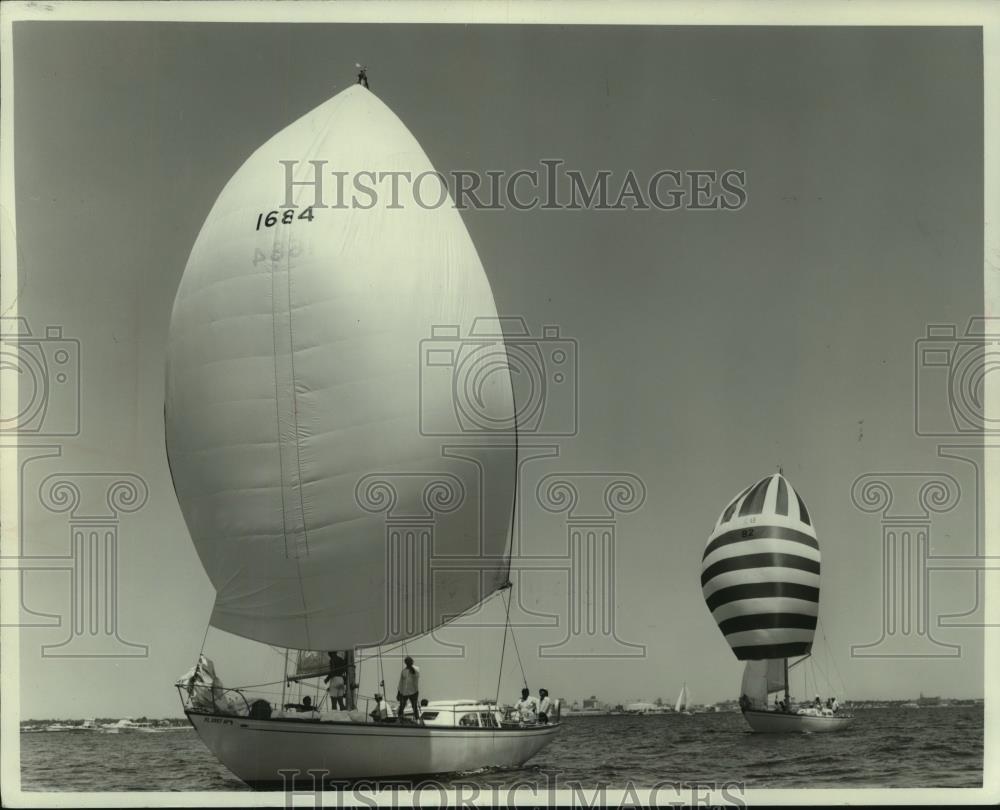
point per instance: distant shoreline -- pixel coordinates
(167, 722)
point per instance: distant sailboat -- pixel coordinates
(292, 392)
(683, 704)
(760, 579)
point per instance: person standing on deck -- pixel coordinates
(544, 705)
(337, 689)
(527, 707)
(409, 688)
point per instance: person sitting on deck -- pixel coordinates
(527, 707)
(305, 706)
(381, 710)
(833, 705)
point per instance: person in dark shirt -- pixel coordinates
(305, 706)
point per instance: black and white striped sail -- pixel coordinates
(760, 572)
(295, 393)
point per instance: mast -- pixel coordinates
(351, 676)
(786, 682)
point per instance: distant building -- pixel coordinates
(592, 703)
(641, 707)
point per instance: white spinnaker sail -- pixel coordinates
(295, 389)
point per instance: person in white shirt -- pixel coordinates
(527, 707)
(409, 688)
(337, 690)
(545, 705)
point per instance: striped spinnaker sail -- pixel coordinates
(760, 572)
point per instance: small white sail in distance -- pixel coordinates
(683, 700)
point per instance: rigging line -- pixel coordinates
(513, 636)
(513, 503)
(503, 649)
(284, 680)
(833, 661)
(381, 673)
(255, 685)
(402, 644)
(204, 639)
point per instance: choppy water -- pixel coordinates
(940, 747)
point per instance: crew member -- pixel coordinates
(409, 688)
(527, 707)
(545, 705)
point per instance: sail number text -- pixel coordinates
(272, 218)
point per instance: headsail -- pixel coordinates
(294, 394)
(760, 572)
(762, 678)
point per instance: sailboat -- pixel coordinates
(683, 705)
(293, 412)
(760, 576)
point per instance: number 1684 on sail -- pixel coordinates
(272, 218)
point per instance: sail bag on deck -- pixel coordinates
(760, 572)
(297, 387)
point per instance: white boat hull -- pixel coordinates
(257, 751)
(768, 722)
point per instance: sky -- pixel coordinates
(712, 346)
